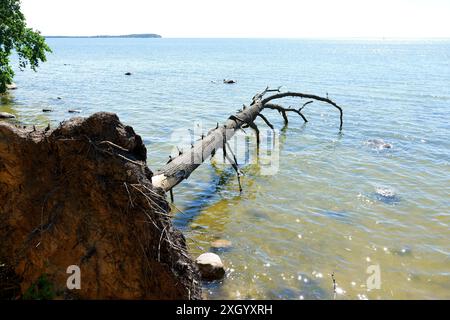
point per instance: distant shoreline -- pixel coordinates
(144, 35)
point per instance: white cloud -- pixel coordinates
(242, 18)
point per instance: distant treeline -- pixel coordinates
(143, 35)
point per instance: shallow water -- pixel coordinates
(338, 203)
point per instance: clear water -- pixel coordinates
(325, 211)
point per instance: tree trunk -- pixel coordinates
(181, 167)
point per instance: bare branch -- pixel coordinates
(259, 96)
(285, 117)
(305, 96)
(297, 112)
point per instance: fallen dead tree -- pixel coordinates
(181, 167)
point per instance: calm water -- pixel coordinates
(337, 204)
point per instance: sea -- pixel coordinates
(357, 213)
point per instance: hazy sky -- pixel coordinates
(243, 18)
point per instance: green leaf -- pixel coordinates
(29, 45)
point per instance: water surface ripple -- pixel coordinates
(338, 203)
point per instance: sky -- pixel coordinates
(243, 18)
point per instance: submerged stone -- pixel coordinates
(11, 86)
(221, 243)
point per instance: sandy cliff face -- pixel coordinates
(81, 195)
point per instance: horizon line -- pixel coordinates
(158, 36)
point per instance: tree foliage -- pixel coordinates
(15, 36)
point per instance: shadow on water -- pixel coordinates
(213, 288)
(308, 289)
(257, 214)
(205, 198)
(392, 200)
(4, 100)
(220, 250)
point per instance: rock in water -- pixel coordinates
(385, 192)
(6, 115)
(210, 266)
(80, 214)
(221, 244)
(378, 144)
(11, 86)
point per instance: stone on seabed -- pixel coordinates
(221, 244)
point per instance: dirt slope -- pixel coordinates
(81, 195)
